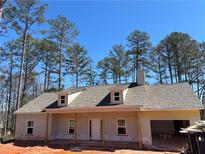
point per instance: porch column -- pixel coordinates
(139, 129)
(50, 129)
(75, 130)
(46, 131)
(103, 130)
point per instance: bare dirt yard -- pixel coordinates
(12, 148)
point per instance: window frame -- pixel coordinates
(30, 127)
(64, 99)
(71, 127)
(125, 127)
(119, 96)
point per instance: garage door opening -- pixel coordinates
(165, 133)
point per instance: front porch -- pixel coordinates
(100, 127)
(94, 127)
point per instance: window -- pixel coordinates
(116, 96)
(71, 126)
(121, 127)
(30, 127)
(62, 100)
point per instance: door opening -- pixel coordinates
(95, 129)
(165, 133)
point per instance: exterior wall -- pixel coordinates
(146, 116)
(38, 128)
(60, 128)
(58, 124)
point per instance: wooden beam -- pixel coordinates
(46, 131)
(139, 129)
(75, 131)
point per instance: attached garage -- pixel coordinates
(168, 127)
(161, 128)
(166, 132)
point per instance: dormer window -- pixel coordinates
(62, 99)
(116, 96)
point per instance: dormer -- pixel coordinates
(62, 99)
(65, 97)
(116, 94)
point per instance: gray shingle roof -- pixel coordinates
(172, 96)
(39, 103)
(94, 96)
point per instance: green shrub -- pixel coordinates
(6, 139)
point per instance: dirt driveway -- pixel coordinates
(10, 148)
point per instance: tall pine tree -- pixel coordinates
(77, 63)
(62, 32)
(139, 44)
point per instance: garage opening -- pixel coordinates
(165, 133)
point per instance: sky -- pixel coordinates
(103, 24)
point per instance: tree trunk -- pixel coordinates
(175, 74)
(45, 80)
(198, 80)
(59, 71)
(137, 65)
(48, 78)
(60, 63)
(10, 89)
(186, 75)
(1, 9)
(105, 77)
(179, 75)
(45, 73)
(160, 72)
(178, 68)
(126, 77)
(76, 80)
(6, 109)
(170, 70)
(18, 103)
(24, 84)
(133, 72)
(119, 78)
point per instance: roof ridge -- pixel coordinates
(169, 84)
(100, 85)
(113, 84)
